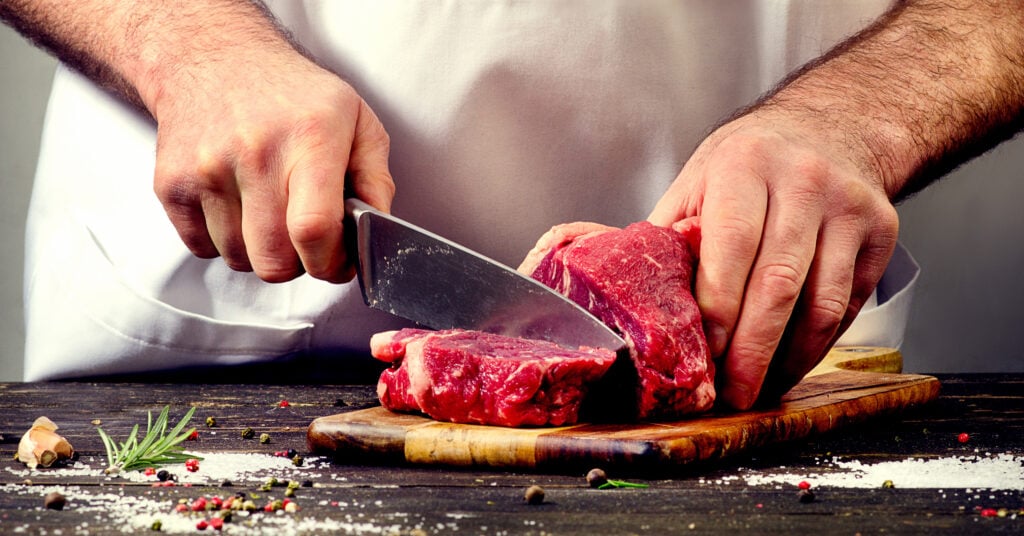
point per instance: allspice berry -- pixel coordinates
(534, 495)
(597, 478)
(54, 501)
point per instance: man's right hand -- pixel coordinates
(252, 161)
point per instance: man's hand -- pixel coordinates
(255, 142)
(794, 237)
(252, 165)
(794, 195)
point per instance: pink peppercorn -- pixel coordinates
(804, 484)
(963, 438)
(284, 404)
(181, 508)
(199, 505)
(202, 524)
(150, 471)
(989, 512)
(216, 523)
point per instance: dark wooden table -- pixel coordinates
(348, 497)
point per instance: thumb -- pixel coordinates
(368, 173)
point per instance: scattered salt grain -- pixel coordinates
(998, 472)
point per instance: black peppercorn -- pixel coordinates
(292, 453)
(162, 475)
(307, 483)
(54, 501)
(805, 496)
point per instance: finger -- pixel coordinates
(823, 306)
(775, 284)
(263, 191)
(181, 201)
(315, 212)
(223, 212)
(731, 220)
(369, 175)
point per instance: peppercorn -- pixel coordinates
(805, 496)
(307, 483)
(211, 422)
(226, 484)
(290, 492)
(291, 508)
(264, 438)
(248, 433)
(54, 501)
(963, 438)
(194, 436)
(216, 523)
(162, 475)
(202, 524)
(284, 404)
(888, 484)
(297, 461)
(804, 485)
(596, 478)
(534, 495)
(157, 525)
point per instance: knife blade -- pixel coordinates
(413, 273)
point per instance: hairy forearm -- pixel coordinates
(928, 86)
(143, 50)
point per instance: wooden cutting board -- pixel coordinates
(851, 385)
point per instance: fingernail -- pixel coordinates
(738, 397)
(717, 338)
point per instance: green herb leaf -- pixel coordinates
(156, 448)
(621, 484)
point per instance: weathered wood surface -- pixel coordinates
(703, 498)
(852, 385)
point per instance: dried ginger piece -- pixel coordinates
(42, 445)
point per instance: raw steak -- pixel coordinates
(638, 280)
(475, 377)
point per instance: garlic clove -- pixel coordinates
(42, 445)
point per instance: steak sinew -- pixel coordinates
(475, 377)
(638, 280)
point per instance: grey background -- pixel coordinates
(964, 231)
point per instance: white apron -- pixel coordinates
(505, 119)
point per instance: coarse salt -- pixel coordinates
(992, 472)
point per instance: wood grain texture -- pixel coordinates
(850, 386)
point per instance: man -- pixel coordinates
(501, 120)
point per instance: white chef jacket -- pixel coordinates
(505, 118)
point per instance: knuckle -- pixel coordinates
(827, 312)
(781, 279)
(311, 229)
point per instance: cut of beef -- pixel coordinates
(638, 280)
(475, 377)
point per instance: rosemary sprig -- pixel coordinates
(158, 446)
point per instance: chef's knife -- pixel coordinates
(418, 275)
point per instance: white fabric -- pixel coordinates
(505, 118)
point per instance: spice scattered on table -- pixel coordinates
(804, 485)
(283, 403)
(888, 484)
(54, 501)
(596, 477)
(963, 438)
(211, 422)
(534, 495)
(805, 496)
(248, 433)
(264, 438)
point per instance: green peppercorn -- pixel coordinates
(249, 506)
(157, 525)
(248, 433)
(211, 422)
(290, 492)
(534, 495)
(266, 486)
(293, 484)
(264, 438)
(888, 484)
(297, 461)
